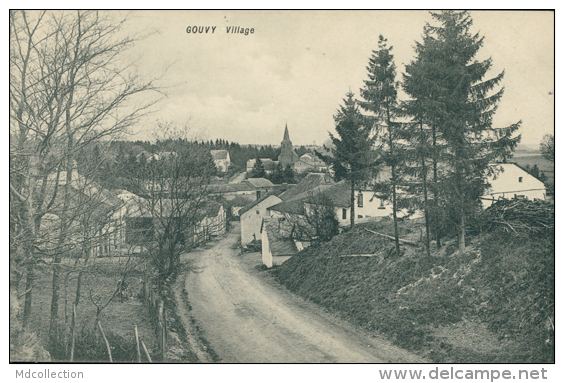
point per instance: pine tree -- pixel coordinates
(460, 104)
(380, 98)
(289, 175)
(352, 156)
(258, 169)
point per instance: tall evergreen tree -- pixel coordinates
(457, 100)
(352, 156)
(288, 175)
(380, 98)
(258, 169)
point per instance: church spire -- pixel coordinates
(286, 134)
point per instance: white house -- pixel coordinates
(367, 205)
(252, 188)
(310, 162)
(277, 246)
(512, 181)
(221, 159)
(251, 217)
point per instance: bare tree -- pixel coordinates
(547, 147)
(68, 88)
(318, 223)
(173, 203)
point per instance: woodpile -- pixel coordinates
(521, 216)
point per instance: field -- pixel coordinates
(117, 319)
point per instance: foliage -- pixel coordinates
(380, 98)
(352, 155)
(258, 169)
(451, 93)
(319, 223)
(70, 91)
(174, 196)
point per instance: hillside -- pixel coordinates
(492, 303)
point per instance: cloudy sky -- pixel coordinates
(297, 66)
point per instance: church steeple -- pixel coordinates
(286, 134)
(287, 154)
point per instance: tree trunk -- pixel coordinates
(54, 305)
(29, 279)
(352, 202)
(462, 232)
(436, 222)
(425, 194)
(394, 211)
(57, 259)
(426, 202)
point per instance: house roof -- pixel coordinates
(309, 183)
(140, 207)
(339, 194)
(219, 154)
(239, 201)
(259, 182)
(295, 206)
(278, 232)
(255, 203)
(229, 188)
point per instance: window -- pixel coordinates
(520, 179)
(344, 213)
(381, 207)
(359, 200)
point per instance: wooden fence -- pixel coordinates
(157, 313)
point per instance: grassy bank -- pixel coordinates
(491, 303)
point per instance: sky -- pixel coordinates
(297, 66)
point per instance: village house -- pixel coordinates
(367, 205)
(251, 218)
(95, 216)
(221, 159)
(251, 188)
(310, 163)
(277, 244)
(141, 221)
(512, 181)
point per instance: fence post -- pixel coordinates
(106, 340)
(137, 340)
(162, 328)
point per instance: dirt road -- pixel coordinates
(246, 317)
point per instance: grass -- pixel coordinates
(499, 292)
(118, 318)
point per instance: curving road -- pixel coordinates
(247, 318)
